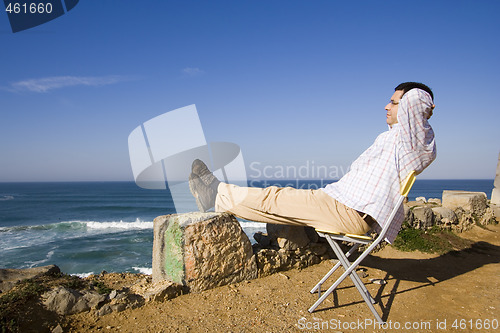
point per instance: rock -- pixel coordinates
(90, 300)
(318, 248)
(288, 237)
(475, 202)
(112, 294)
(420, 199)
(61, 300)
(409, 218)
(270, 261)
(58, 329)
(362, 272)
(312, 234)
(118, 307)
(466, 220)
(378, 281)
(201, 250)
(161, 291)
(488, 217)
(262, 239)
(495, 194)
(66, 301)
(444, 215)
(434, 201)
(106, 309)
(424, 218)
(496, 212)
(9, 277)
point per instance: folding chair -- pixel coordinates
(350, 268)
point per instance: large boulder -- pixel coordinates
(288, 237)
(9, 277)
(201, 250)
(423, 217)
(66, 301)
(475, 202)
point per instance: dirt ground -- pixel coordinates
(457, 291)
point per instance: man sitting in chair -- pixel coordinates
(362, 199)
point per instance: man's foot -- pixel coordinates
(204, 194)
(201, 170)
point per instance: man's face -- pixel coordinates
(392, 108)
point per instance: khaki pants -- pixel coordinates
(287, 205)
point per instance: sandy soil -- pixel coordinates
(422, 290)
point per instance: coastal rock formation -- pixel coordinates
(475, 202)
(421, 199)
(9, 277)
(460, 211)
(201, 250)
(65, 301)
(495, 194)
(434, 201)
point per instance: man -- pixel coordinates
(361, 200)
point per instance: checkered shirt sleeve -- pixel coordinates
(372, 185)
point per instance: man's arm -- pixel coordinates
(417, 147)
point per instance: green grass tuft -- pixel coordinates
(433, 240)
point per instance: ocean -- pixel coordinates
(89, 227)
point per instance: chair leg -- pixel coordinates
(356, 280)
(317, 287)
(354, 276)
(335, 284)
(349, 270)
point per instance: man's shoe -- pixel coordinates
(204, 194)
(201, 170)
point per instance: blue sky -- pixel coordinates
(291, 82)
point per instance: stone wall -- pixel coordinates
(459, 211)
(284, 247)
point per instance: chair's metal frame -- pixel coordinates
(350, 268)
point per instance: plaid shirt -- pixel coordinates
(372, 185)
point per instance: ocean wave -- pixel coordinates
(6, 197)
(39, 262)
(83, 275)
(82, 225)
(119, 225)
(144, 270)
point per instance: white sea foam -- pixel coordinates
(39, 262)
(83, 275)
(6, 197)
(144, 270)
(118, 225)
